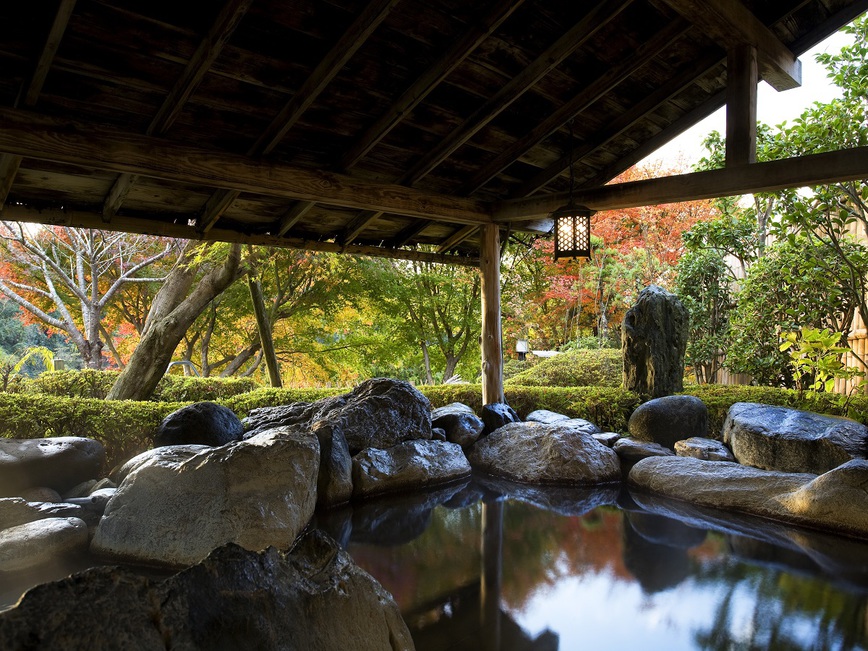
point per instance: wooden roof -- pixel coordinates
(368, 126)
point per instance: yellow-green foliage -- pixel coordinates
(89, 383)
(600, 367)
(125, 428)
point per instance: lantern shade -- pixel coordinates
(572, 232)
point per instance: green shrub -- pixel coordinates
(89, 383)
(576, 368)
(124, 427)
(512, 367)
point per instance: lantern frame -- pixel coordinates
(572, 232)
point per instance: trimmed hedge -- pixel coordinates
(601, 367)
(89, 383)
(124, 427)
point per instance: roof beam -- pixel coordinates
(730, 23)
(592, 22)
(815, 169)
(352, 39)
(620, 124)
(741, 89)
(198, 65)
(584, 99)
(359, 223)
(29, 93)
(414, 229)
(457, 238)
(93, 146)
(80, 219)
(464, 46)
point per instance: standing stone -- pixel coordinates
(654, 341)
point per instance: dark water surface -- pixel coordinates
(498, 566)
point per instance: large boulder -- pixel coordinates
(58, 463)
(40, 542)
(669, 419)
(545, 454)
(202, 423)
(15, 511)
(459, 423)
(497, 414)
(791, 440)
(314, 598)
(256, 493)
(654, 340)
(407, 466)
(835, 500)
(379, 413)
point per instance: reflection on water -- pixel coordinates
(503, 567)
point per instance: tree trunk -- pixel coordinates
(174, 310)
(264, 328)
(429, 378)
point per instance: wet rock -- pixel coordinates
(58, 463)
(608, 438)
(545, 416)
(580, 424)
(94, 505)
(263, 419)
(80, 490)
(545, 454)
(256, 493)
(41, 541)
(407, 466)
(438, 434)
(669, 419)
(41, 494)
(654, 340)
(791, 440)
(630, 450)
(202, 423)
(314, 598)
(460, 424)
(170, 456)
(701, 448)
(334, 483)
(380, 413)
(571, 501)
(16, 510)
(497, 414)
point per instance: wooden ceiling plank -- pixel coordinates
(290, 217)
(741, 93)
(619, 124)
(464, 46)
(802, 171)
(730, 23)
(123, 223)
(30, 92)
(101, 147)
(198, 65)
(49, 50)
(358, 225)
(592, 22)
(585, 98)
(412, 230)
(457, 238)
(375, 13)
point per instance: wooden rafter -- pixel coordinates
(457, 238)
(580, 102)
(589, 25)
(815, 169)
(30, 91)
(359, 223)
(94, 146)
(730, 23)
(203, 58)
(620, 124)
(413, 229)
(81, 219)
(342, 51)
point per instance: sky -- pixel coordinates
(772, 107)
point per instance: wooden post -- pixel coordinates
(264, 332)
(741, 82)
(492, 346)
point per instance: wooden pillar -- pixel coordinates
(492, 346)
(741, 82)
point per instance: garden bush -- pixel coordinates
(602, 367)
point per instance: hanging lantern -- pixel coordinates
(572, 232)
